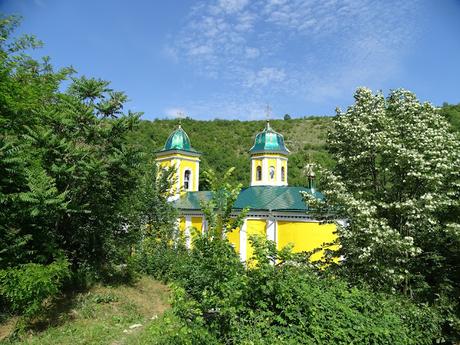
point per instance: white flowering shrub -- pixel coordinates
(396, 182)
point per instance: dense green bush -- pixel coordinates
(279, 300)
(26, 287)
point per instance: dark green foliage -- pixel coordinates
(452, 113)
(215, 297)
(26, 287)
(70, 183)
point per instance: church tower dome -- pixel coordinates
(178, 140)
(177, 153)
(269, 159)
(269, 141)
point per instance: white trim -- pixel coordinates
(197, 177)
(188, 225)
(270, 157)
(276, 233)
(177, 157)
(204, 224)
(278, 165)
(243, 241)
(282, 216)
(265, 177)
(270, 227)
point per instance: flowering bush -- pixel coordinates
(397, 182)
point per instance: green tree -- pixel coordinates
(218, 211)
(396, 181)
(452, 113)
(66, 166)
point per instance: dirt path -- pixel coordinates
(103, 315)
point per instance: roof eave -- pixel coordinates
(178, 151)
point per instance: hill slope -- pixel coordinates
(226, 143)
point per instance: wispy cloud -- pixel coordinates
(175, 113)
(305, 48)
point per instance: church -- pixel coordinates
(276, 210)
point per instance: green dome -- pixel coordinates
(269, 141)
(178, 140)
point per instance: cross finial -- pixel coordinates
(180, 115)
(268, 111)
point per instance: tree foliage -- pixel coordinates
(397, 183)
(66, 171)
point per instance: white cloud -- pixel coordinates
(232, 6)
(251, 53)
(175, 113)
(264, 77)
(339, 44)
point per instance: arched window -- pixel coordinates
(259, 173)
(272, 172)
(187, 179)
(283, 174)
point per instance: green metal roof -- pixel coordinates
(191, 200)
(269, 141)
(275, 198)
(178, 140)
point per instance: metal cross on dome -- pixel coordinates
(268, 111)
(180, 116)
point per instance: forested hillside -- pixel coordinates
(226, 143)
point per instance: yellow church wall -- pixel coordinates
(197, 222)
(234, 239)
(188, 165)
(254, 227)
(305, 236)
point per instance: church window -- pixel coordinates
(283, 174)
(259, 173)
(272, 172)
(187, 179)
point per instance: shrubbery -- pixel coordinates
(26, 287)
(288, 302)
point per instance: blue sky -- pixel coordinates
(229, 58)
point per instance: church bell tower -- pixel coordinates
(179, 154)
(269, 158)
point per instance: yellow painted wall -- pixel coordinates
(234, 238)
(254, 227)
(193, 167)
(191, 163)
(197, 222)
(305, 236)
